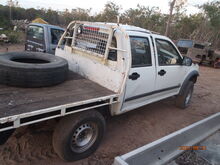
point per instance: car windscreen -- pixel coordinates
(56, 35)
(185, 43)
(35, 32)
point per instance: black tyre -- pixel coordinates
(78, 136)
(32, 69)
(183, 100)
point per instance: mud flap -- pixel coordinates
(5, 135)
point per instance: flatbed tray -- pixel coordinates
(77, 89)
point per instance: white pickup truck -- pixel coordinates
(115, 68)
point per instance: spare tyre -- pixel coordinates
(32, 69)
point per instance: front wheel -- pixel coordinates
(78, 136)
(184, 100)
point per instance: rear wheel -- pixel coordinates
(78, 136)
(184, 100)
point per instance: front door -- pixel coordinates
(141, 81)
(170, 71)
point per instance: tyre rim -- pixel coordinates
(84, 137)
(188, 97)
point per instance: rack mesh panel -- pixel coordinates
(91, 38)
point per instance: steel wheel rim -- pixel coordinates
(84, 137)
(188, 97)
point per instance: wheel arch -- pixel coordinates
(192, 76)
(105, 111)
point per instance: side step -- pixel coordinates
(166, 149)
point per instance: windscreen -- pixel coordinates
(35, 32)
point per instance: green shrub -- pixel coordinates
(13, 36)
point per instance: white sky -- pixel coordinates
(98, 5)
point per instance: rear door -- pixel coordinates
(170, 71)
(141, 81)
(35, 39)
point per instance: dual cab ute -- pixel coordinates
(114, 69)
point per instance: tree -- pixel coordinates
(81, 14)
(212, 11)
(145, 17)
(203, 26)
(186, 25)
(178, 4)
(11, 5)
(110, 13)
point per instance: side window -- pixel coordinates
(140, 51)
(56, 35)
(167, 54)
(35, 32)
(112, 55)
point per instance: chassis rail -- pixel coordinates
(23, 119)
(167, 148)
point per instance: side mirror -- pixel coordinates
(187, 61)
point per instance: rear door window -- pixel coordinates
(140, 51)
(35, 32)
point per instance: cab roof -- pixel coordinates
(46, 25)
(124, 26)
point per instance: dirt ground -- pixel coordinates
(32, 145)
(11, 47)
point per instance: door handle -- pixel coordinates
(134, 76)
(162, 72)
